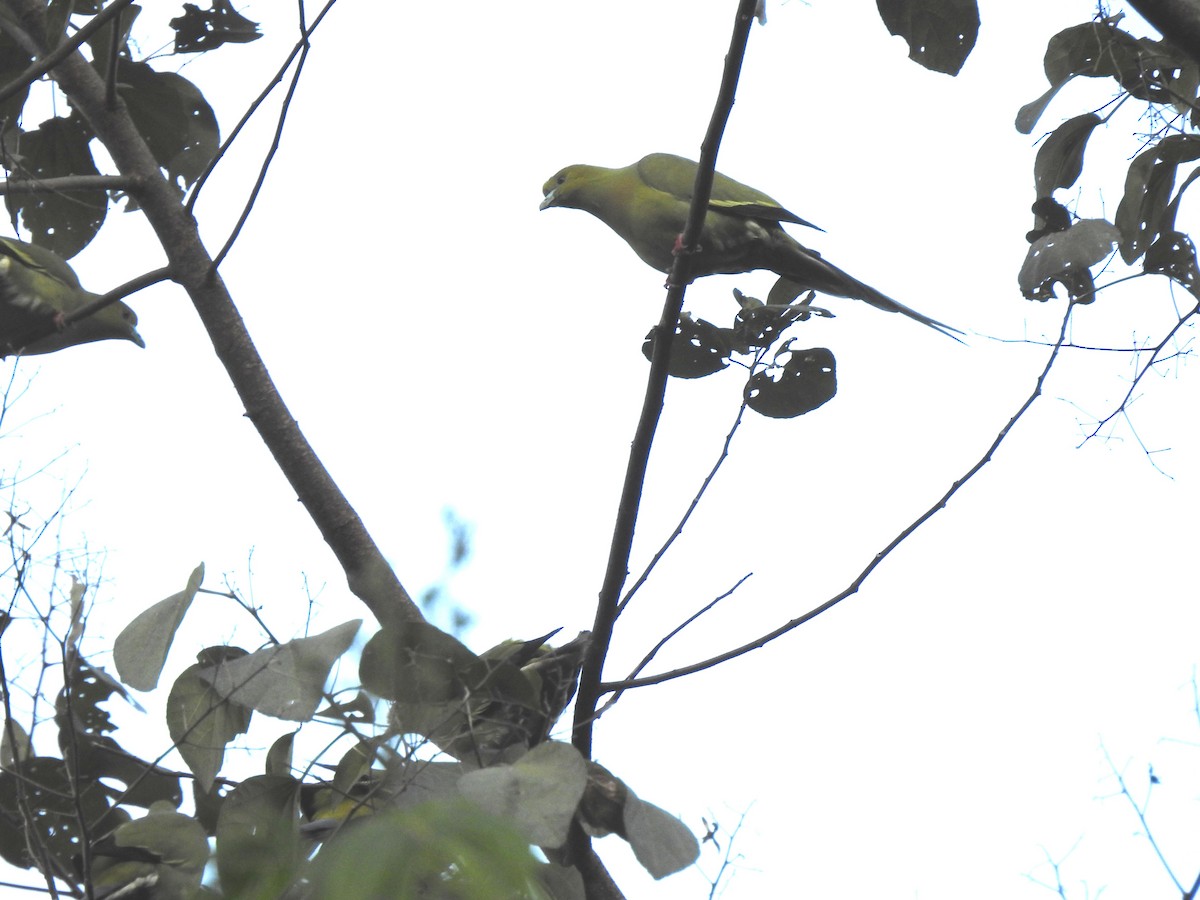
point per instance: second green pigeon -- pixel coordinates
(38, 290)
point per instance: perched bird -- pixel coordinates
(38, 290)
(647, 204)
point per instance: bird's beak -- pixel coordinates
(549, 201)
(136, 338)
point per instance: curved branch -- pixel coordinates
(367, 572)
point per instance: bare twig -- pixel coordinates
(1140, 812)
(662, 551)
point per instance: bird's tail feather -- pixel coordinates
(810, 271)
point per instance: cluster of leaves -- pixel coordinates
(463, 821)
(169, 111)
(791, 383)
(1063, 250)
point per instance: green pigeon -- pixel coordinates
(647, 204)
(38, 290)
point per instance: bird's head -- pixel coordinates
(565, 187)
(115, 322)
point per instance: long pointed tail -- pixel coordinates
(807, 269)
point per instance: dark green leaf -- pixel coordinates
(940, 33)
(258, 841)
(62, 222)
(198, 30)
(1142, 212)
(172, 116)
(202, 722)
(805, 380)
(1060, 158)
(699, 348)
(101, 41)
(1065, 258)
(1174, 255)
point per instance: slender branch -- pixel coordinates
(274, 148)
(1184, 319)
(669, 635)
(662, 551)
(305, 34)
(875, 561)
(68, 183)
(639, 455)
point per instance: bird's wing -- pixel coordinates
(676, 176)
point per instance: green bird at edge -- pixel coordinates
(38, 290)
(647, 205)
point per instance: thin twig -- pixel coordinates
(662, 551)
(1140, 812)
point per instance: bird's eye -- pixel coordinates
(561, 179)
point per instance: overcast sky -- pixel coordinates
(446, 345)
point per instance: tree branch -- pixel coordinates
(367, 572)
(635, 473)
(1176, 20)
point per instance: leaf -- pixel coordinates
(62, 803)
(1060, 159)
(661, 843)
(13, 63)
(62, 222)
(699, 348)
(201, 721)
(258, 839)
(940, 33)
(415, 663)
(1174, 255)
(1142, 212)
(804, 382)
(1094, 50)
(756, 327)
(15, 745)
(199, 30)
(172, 116)
(100, 41)
(287, 681)
(1065, 257)
(140, 650)
(538, 793)
(172, 837)
(436, 850)
(279, 757)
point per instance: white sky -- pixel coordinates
(444, 344)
